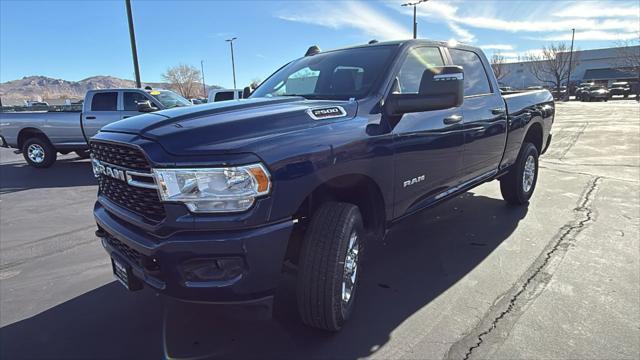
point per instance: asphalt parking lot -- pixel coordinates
(472, 278)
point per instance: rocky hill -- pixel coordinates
(44, 88)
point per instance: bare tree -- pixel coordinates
(628, 58)
(551, 66)
(184, 79)
(498, 65)
(628, 55)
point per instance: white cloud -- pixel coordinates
(352, 14)
(533, 17)
(462, 35)
(497, 47)
(598, 10)
(591, 35)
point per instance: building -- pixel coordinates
(601, 66)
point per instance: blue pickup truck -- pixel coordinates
(208, 203)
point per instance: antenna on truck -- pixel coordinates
(312, 50)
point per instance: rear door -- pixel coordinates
(485, 119)
(103, 110)
(427, 150)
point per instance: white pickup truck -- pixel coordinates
(40, 135)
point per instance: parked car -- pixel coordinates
(620, 88)
(224, 95)
(40, 136)
(207, 203)
(559, 94)
(595, 93)
(582, 88)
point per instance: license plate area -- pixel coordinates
(122, 272)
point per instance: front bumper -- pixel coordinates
(160, 262)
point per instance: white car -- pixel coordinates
(224, 95)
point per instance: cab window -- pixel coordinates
(104, 101)
(476, 81)
(417, 61)
(132, 99)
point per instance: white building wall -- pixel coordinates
(520, 76)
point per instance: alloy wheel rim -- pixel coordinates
(529, 173)
(35, 153)
(350, 271)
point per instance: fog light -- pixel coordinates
(219, 269)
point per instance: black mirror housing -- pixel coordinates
(146, 107)
(246, 92)
(440, 88)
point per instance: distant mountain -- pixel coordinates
(57, 90)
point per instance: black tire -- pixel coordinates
(39, 152)
(322, 268)
(512, 186)
(83, 154)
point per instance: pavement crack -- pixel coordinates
(573, 141)
(535, 275)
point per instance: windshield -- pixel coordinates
(169, 99)
(340, 74)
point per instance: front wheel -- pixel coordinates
(329, 267)
(518, 184)
(39, 152)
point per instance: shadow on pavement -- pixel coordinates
(17, 176)
(419, 260)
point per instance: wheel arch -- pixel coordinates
(29, 132)
(535, 135)
(357, 189)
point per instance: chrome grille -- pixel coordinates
(121, 155)
(142, 199)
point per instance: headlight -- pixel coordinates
(229, 189)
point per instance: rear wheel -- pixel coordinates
(39, 152)
(518, 184)
(329, 266)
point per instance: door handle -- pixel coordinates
(90, 117)
(126, 116)
(498, 111)
(453, 119)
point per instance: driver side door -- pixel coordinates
(427, 145)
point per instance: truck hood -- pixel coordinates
(230, 126)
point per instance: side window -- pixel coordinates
(131, 99)
(417, 61)
(223, 96)
(104, 101)
(475, 76)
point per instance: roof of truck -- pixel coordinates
(407, 42)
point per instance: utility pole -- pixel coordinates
(132, 36)
(573, 34)
(415, 21)
(233, 63)
(204, 88)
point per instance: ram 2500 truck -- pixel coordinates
(207, 203)
(41, 135)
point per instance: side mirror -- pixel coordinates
(246, 92)
(440, 88)
(146, 107)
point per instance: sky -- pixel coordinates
(73, 40)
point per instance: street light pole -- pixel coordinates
(204, 88)
(573, 34)
(233, 63)
(415, 21)
(132, 37)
